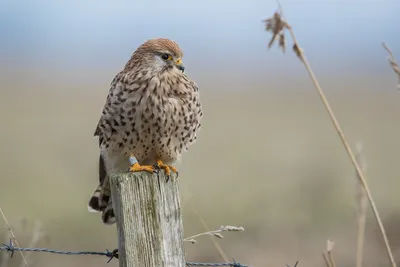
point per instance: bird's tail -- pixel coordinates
(101, 199)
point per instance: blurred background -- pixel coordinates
(267, 158)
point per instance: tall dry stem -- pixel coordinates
(328, 255)
(300, 54)
(393, 63)
(36, 236)
(362, 206)
(13, 236)
(215, 243)
(216, 233)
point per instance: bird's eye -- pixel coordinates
(166, 57)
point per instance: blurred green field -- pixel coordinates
(267, 159)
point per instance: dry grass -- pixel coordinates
(328, 255)
(215, 233)
(34, 232)
(12, 235)
(362, 207)
(277, 25)
(37, 235)
(215, 243)
(393, 63)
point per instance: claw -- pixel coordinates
(136, 167)
(167, 168)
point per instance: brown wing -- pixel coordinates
(98, 130)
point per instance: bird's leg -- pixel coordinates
(136, 167)
(167, 168)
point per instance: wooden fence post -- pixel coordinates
(149, 221)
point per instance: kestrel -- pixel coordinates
(152, 114)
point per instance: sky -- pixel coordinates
(101, 35)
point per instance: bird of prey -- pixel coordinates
(152, 114)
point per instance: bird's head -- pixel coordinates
(158, 54)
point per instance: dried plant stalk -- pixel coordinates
(328, 255)
(329, 248)
(12, 235)
(36, 236)
(295, 265)
(300, 53)
(215, 243)
(216, 233)
(326, 260)
(393, 63)
(276, 26)
(362, 206)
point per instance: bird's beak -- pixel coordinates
(179, 65)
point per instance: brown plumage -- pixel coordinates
(152, 112)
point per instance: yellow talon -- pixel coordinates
(173, 169)
(136, 167)
(167, 168)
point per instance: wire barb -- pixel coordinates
(10, 248)
(109, 254)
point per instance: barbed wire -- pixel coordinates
(109, 254)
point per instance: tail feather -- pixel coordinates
(108, 215)
(101, 199)
(94, 202)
